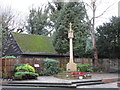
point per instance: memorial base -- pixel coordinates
(71, 67)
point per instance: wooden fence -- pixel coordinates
(7, 66)
(0, 67)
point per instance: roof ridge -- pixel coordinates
(29, 34)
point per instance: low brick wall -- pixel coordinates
(118, 84)
(4, 82)
(111, 80)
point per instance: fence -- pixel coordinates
(110, 65)
(0, 67)
(7, 66)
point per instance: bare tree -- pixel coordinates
(93, 33)
(8, 23)
(93, 7)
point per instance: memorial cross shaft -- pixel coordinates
(71, 66)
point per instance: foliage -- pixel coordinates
(9, 57)
(50, 67)
(62, 69)
(88, 48)
(17, 65)
(75, 13)
(54, 8)
(42, 73)
(41, 20)
(25, 75)
(85, 68)
(38, 21)
(24, 71)
(56, 17)
(25, 68)
(108, 39)
(34, 43)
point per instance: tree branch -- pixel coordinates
(87, 4)
(104, 11)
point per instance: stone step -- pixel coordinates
(51, 83)
(43, 85)
(72, 84)
(86, 81)
(89, 83)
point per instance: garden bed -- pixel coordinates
(72, 75)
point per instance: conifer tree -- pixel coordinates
(38, 21)
(75, 13)
(108, 39)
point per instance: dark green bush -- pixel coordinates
(41, 73)
(51, 67)
(85, 68)
(62, 69)
(25, 75)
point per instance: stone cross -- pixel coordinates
(71, 66)
(70, 32)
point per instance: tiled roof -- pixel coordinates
(34, 43)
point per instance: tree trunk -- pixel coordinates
(93, 37)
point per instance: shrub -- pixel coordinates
(50, 67)
(24, 68)
(85, 68)
(16, 65)
(25, 75)
(24, 71)
(62, 69)
(41, 73)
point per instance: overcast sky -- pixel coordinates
(22, 7)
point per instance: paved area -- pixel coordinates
(95, 76)
(51, 79)
(54, 79)
(57, 80)
(105, 75)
